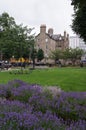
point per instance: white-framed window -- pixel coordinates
(46, 39)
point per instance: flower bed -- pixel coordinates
(29, 107)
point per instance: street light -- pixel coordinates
(33, 56)
(1, 55)
(46, 57)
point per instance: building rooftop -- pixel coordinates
(56, 37)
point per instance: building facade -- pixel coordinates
(48, 41)
(75, 41)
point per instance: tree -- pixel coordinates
(56, 55)
(15, 40)
(68, 54)
(78, 3)
(73, 54)
(40, 55)
(79, 18)
(6, 25)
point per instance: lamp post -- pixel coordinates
(1, 50)
(46, 57)
(33, 56)
(32, 53)
(1, 55)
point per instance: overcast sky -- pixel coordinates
(56, 14)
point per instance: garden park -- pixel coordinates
(51, 98)
(28, 102)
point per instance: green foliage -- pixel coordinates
(15, 40)
(78, 3)
(69, 53)
(79, 18)
(56, 55)
(40, 55)
(33, 53)
(23, 97)
(73, 54)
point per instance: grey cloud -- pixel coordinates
(53, 13)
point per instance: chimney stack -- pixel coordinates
(64, 34)
(50, 31)
(43, 28)
(68, 36)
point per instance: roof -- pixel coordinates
(56, 37)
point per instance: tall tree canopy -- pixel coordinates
(79, 18)
(15, 40)
(78, 3)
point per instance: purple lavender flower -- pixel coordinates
(28, 107)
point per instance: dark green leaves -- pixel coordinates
(79, 18)
(14, 39)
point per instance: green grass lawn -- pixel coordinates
(68, 79)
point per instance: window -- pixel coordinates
(46, 40)
(60, 38)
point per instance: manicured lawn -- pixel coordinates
(68, 79)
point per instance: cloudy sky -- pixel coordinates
(56, 14)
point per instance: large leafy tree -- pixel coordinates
(6, 25)
(79, 18)
(15, 40)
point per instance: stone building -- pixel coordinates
(48, 41)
